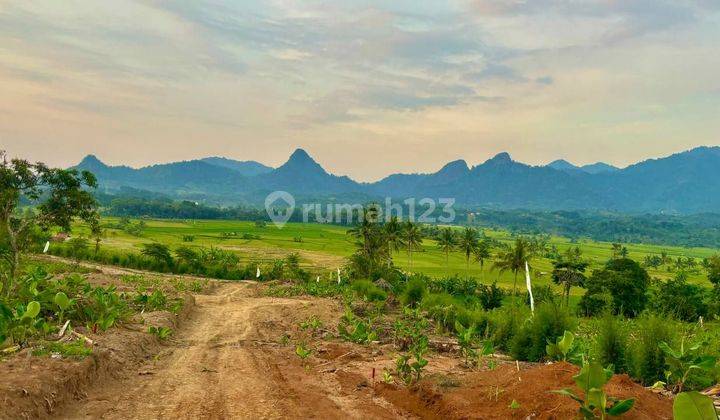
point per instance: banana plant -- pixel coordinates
(564, 349)
(694, 406)
(597, 404)
(683, 361)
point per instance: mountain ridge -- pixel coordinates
(679, 183)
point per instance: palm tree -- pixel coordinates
(468, 244)
(392, 233)
(447, 242)
(514, 259)
(569, 271)
(482, 252)
(412, 239)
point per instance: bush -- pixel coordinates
(415, 291)
(454, 285)
(368, 291)
(594, 304)
(491, 297)
(503, 325)
(550, 322)
(611, 344)
(542, 294)
(648, 359)
(676, 298)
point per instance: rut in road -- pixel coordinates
(224, 362)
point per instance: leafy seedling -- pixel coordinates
(694, 406)
(162, 333)
(596, 405)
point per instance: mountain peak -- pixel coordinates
(598, 168)
(91, 161)
(456, 165)
(300, 155)
(562, 165)
(502, 157)
(300, 160)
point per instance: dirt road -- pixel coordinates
(226, 361)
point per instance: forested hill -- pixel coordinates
(683, 183)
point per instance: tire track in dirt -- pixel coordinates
(224, 363)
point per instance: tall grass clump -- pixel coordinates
(415, 291)
(504, 323)
(367, 290)
(648, 365)
(550, 321)
(611, 343)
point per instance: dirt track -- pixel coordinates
(224, 363)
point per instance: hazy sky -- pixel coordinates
(366, 87)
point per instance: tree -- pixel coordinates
(468, 244)
(447, 242)
(514, 259)
(393, 237)
(78, 248)
(713, 270)
(97, 233)
(482, 252)
(190, 257)
(569, 271)
(625, 281)
(158, 252)
(412, 238)
(619, 251)
(55, 198)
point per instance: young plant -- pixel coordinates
(596, 405)
(63, 303)
(564, 349)
(466, 341)
(682, 362)
(303, 352)
(409, 328)
(355, 329)
(313, 323)
(162, 333)
(409, 367)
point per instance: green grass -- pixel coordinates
(324, 248)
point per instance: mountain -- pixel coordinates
(245, 168)
(594, 168)
(685, 182)
(562, 165)
(598, 168)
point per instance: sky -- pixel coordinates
(368, 88)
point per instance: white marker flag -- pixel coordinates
(338, 276)
(317, 280)
(529, 287)
(257, 275)
(47, 246)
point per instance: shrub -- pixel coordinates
(415, 291)
(648, 358)
(490, 297)
(550, 322)
(454, 285)
(678, 299)
(368, 291)
(503, 324)
(542, 294)
(594, 304)
(611, 344)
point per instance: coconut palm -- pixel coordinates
(482, 253)
(412, 239)
(447, 242)
(393, 237)
(468, 243)
(514, 259)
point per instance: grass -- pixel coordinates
(325, 247)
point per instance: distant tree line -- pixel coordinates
(700, 230)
